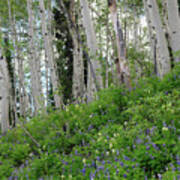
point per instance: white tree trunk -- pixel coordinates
(78, 65)
(92, 47)
(174, 26)
(121, 63)
(164, 60)
(4, 94)
(49, 55)
(34, 63)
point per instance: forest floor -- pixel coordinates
(125, 134)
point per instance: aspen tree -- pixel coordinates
(92, 49)
(121, 62)
(174, 26)
(163, 62)
(34, 63)
(49, 55)
(4, 94)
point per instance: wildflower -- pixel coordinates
(126, 158)
(125, 175)
(84, 171)
(110, 145)
(107, 153)
(84, 160)
(165, 129)
(90, 116)
(62, 176)
(70, 176)
(113, 150)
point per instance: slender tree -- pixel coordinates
(174, 27)
(163, 62)
(121, 62)
(49, 54)
(92, 48)
(34, 62)
(4, 93)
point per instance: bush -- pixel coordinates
(125, 134)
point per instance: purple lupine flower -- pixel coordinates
(155, 146)
(138, 141)
(117, 171)
(93, 164)
(103, 162)
(92, 175)
(147, 131)
(147, 148)
(121, 163)
(84, 171)
(125, 175)
(98, 158)
(126, 158)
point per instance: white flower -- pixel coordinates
(165, 129)
(84, 160)
(70, 176)
(99, 134)
(62, 176)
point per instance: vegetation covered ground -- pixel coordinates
(126, 134)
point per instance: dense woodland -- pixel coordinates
(89, 89)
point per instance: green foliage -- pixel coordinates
(125, 134)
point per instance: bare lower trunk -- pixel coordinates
(4, 94)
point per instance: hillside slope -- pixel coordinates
(126, 134)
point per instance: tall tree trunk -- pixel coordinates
(92, 47)
(150, 29)
(49, 55)
(78, 65)
(121, 63)
(21, 88)
(4, 94)
(34, 63)
(174, 27)
(164, 60)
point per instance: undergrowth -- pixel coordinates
(125, 134)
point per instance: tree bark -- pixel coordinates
(174, 27)
(164, 60)
(49, 54)
(121, 62)
(34, 63)
(4, 94)
(92, 47)
(78, 65)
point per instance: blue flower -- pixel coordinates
(84, 171)
(125, 175)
